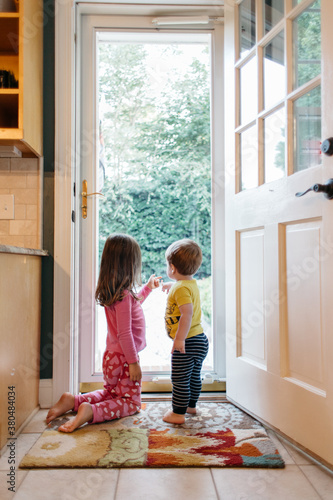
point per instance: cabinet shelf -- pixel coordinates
(7, 15)
(9, 91)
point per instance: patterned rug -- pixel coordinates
(220, 435)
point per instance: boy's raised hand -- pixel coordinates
(166, 286)
(154, 282)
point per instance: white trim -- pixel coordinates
(187, 3)
(219, 178)
(65, 319)
(63, 241)
(46, 393)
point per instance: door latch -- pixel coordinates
(326, 188)
(85, 195)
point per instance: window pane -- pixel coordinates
(249, 92)
(274, 133)
(307, 45)
(274, 71)
(247, 26)
(307, 130)
(154, 108)
(273, 13)
(249, 158)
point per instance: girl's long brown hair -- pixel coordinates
(120, 269)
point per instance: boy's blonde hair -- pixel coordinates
(185, 255)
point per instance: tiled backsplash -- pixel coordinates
(22, 177)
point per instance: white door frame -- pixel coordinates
(65, 320)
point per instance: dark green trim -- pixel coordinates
(46, 348)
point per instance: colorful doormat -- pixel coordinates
(220, 435)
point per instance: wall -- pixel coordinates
(22, 178)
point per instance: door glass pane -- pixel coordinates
(273, 13)
(154, 113)
(274, 140)
(247, 26)
(307, 130)
(274, 71)
(307, 45)
(248, 91)
(249, 158)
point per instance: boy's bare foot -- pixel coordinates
(65, 403)
(173, 418)
(193, 411)
(84, 414)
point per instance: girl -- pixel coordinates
(120, 272)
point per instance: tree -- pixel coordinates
(158, 154)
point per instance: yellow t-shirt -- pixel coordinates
(183, 292)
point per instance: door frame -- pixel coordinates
(67, 205)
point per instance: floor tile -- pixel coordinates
(268, 484)
(37, 423)
(321, 480)
(165, 484)
(68, 484)
(5, 493)
(20, 447)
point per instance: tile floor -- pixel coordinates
(301, 479)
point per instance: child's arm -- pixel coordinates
(152, 283)
(186, 313)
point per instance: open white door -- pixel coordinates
(279, 254)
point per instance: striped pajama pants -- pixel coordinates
(186, 373)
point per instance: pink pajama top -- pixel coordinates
(126, 326)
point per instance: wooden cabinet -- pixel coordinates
(21, 76)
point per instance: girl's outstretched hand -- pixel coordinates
(154, 282)
(135, 372)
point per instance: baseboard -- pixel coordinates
(46, 393)
(20, 429)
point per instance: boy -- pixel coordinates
(183, 325)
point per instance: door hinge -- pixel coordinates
(74, 189)
(73, 215)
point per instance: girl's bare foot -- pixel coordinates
(84, 414)
(193, 411)
(173, 418)
(65, 403)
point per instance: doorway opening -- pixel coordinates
(154, 165)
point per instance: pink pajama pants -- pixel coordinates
(120, 398)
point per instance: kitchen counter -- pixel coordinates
(23, 251)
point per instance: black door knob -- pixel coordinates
(327, 146)
(326, 188)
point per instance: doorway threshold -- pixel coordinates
(208, 397)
